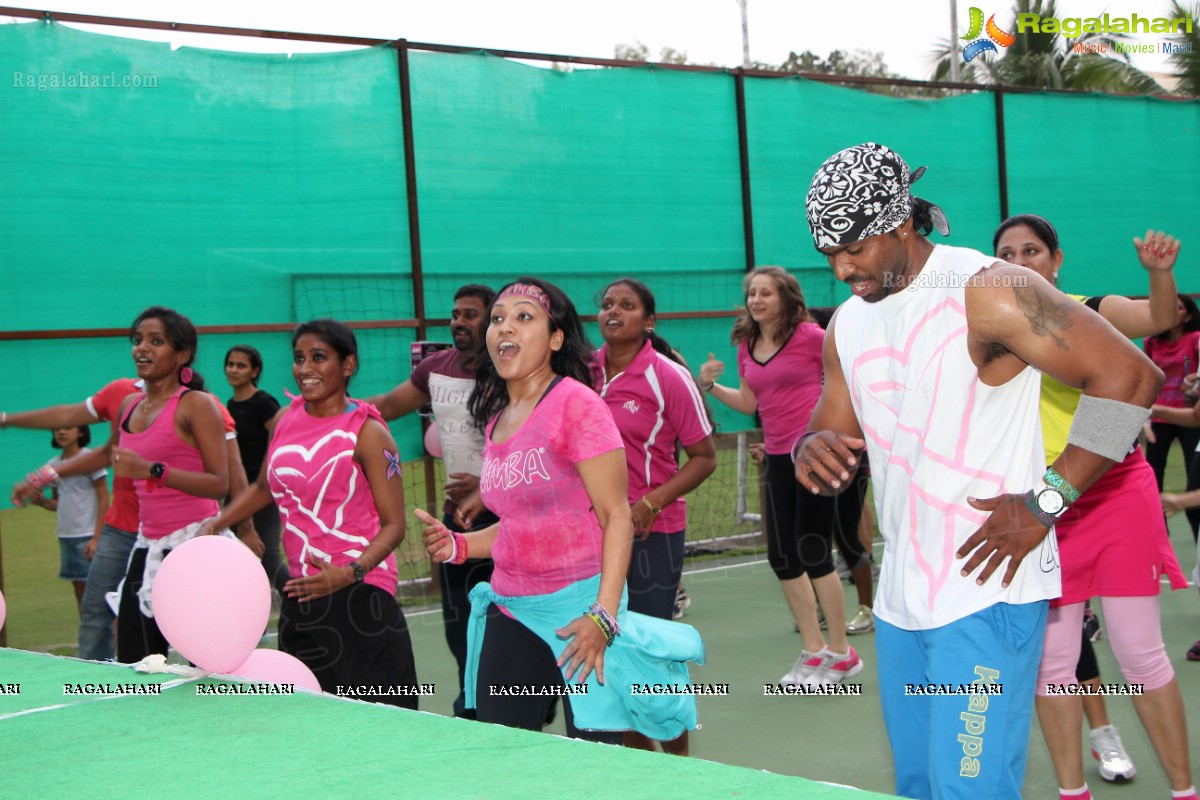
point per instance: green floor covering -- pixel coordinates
(179, 744)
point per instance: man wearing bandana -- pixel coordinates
(933, 367)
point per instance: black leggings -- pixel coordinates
(137, 635)
(800, 526)
(1165, 434)
(655, 569)
(513, 655)
(1088, 667)
(1193, 514)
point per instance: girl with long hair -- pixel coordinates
(780, 370)
(554, 472)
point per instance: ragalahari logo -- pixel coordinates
(987, 44)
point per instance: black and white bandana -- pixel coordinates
(863, 191)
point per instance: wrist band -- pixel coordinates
(3, 419)
(799, 443)
(600, 623)
(609, 635)
(1052, 478)
(607, 622)
(646, 499)
(458, 547)
(707, 387)
(1106, 427)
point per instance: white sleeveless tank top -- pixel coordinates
(937, 435)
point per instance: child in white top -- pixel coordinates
(81, 503)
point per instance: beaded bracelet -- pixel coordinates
(42, 477)
(606, 621)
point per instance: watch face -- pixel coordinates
(156, 470)
(1050, 501)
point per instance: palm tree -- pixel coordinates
(1050, 61)
(1187, 60)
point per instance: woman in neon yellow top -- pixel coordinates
(1112, 543)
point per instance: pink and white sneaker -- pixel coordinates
(803, 669)
(835, 668)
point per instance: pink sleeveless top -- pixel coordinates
(163, 510)
(325, 502)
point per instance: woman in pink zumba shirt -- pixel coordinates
(554, 473)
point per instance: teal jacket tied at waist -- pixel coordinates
(648, 651)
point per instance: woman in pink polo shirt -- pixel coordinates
(333, 470)
(656, 405)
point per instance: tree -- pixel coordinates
(856, 63)
(1186, 59)
(638, 51)
(1091, 62)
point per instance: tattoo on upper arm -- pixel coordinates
(1045, 316)
(393, 464)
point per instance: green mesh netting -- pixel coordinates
(252, 188)
(1103, 170)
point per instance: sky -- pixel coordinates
(709, 31)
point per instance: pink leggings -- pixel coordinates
(1134, 631)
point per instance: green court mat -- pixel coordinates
(180, 743)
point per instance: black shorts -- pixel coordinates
(354, 637)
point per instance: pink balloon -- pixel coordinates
(3, 610)
(212, 599)
(276, 666)
(433, 443)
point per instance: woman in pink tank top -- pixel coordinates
(333, 470)
(172, 444)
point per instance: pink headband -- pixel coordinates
(530, 291)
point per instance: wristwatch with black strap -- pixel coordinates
(1051, 498)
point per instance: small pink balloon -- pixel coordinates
(3, 610)
(276, 666)
(433, 443)
(212, 599)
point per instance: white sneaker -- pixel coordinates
(863, 622)
(1115, 764)
(805, 666)
(834, 669)
(682, 603)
